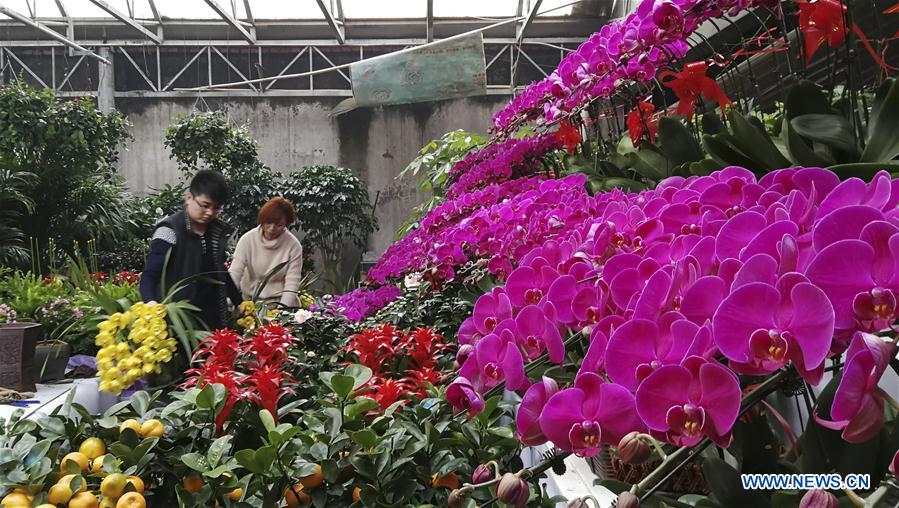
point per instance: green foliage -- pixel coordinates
(442, 310)
(333, 209)
(209, 141)
(432, 167)
(14, 202)
(26, 292)
(71, 149)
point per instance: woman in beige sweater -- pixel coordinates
(263, 248)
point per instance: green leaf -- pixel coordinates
(37, 452)
(863, 170)
(267, 420)
(723, 152)
(831, 130)
(724, 482)
(756, 144)
(704, 167)
(360, 374)
(650, 164)
(217, 449)
(365, 438)
(140, 401)
(883, 141)
(677, 142)
(206, 398)
(712, 124)
(247, 459)
(342, 385)
(806, 98)
(361, 405)
(195, 461)
(800, 151)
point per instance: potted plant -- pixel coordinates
(52, 354)
(17, 344)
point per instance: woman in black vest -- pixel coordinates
(196, 239)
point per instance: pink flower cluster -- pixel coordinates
(359, 303)
(763, 274)
(499, 224)
(623, 51)
(513, 158)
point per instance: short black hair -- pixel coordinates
(210, 183)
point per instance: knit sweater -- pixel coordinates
(255, 257)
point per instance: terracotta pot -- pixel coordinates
(17, 344)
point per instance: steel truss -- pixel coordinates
(153, 73)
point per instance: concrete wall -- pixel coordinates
(293, 132)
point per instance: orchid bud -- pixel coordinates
(894, 465)
(482, 474)
(512, 490)
(456, 499)
(578, 503)
(464, 352)
(627, 500)
(633, 450)
(818, 498)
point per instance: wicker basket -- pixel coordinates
(689, 480)
(17, 343)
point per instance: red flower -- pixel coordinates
(126, 277)
(266, 388)
(691, 83)
(99, 277)
(821, 21)
(387, 391)
(641, 121)
(569, 136)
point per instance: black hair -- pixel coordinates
(211, 184)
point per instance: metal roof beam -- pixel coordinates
(531, 15)
(230, 20)
(338, 29)
(62, 9)
(429, 30)
(25, 20)
(124, 18)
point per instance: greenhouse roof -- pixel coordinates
(273, 22)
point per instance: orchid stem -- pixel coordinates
(672, 463)
(646, 438)
(889, 399)
(854, 498)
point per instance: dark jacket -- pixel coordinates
(185, 259)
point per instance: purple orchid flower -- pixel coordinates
(496, 359)
(491, 309)
(641, 346)
(589, 415)
(528, 286)
(857, 407)
(463, 396)
(760, 327)
(684, 403)
(527, 420)
(861, 278)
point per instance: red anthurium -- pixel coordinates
(691, 83)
